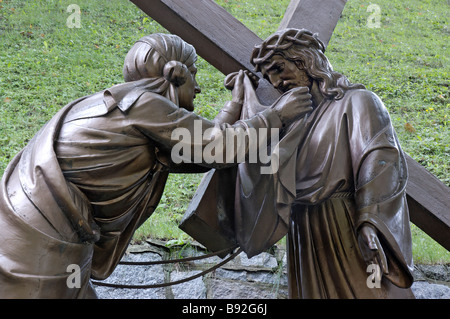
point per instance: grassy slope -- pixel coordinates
(44, 65)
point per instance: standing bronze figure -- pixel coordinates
(96, 171)
(340, 189)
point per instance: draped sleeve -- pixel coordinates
(380, 175)
(158, 119)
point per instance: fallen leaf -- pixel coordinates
(409, 128)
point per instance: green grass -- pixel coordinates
(44, 65)
(163, 224)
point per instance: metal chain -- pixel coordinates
(105, 284)
(174, 261)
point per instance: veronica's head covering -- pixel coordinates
(159, 63)
(149, 56)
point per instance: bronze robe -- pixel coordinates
(80, 188)
(339, 168)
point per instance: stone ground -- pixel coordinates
(261, 277)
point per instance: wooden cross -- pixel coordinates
(226, 43)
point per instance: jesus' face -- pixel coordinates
(285, 74)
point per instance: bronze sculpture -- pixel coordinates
(96, 171)
(340, 189)
(228, 52)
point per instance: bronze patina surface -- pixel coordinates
(340, 190)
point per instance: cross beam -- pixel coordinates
(226, 43)
(318, 16)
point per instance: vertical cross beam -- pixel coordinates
(318, 16)
(226, 43)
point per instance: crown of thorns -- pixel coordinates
(283, 40)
